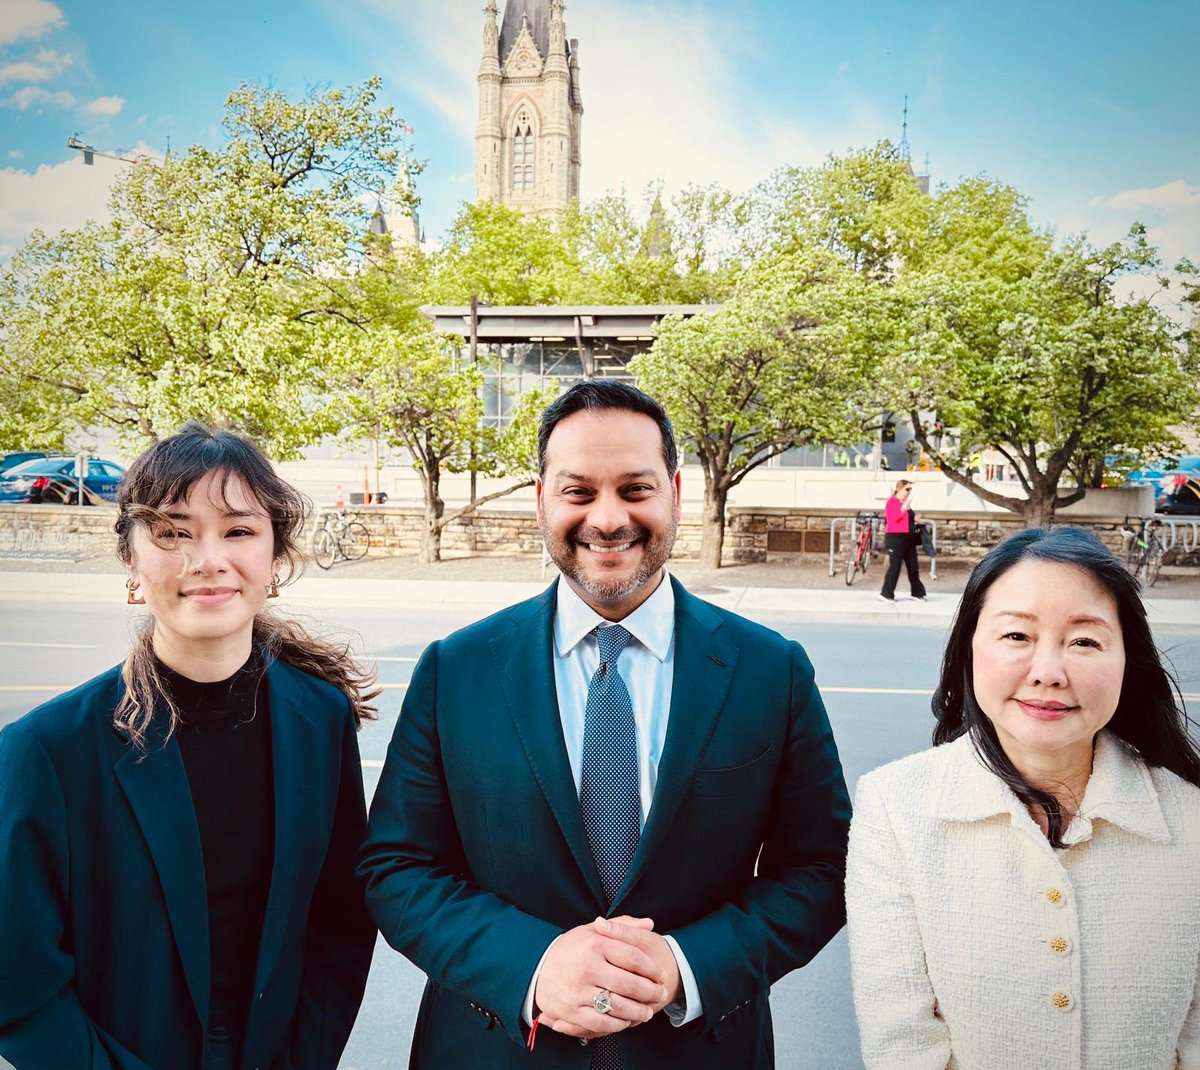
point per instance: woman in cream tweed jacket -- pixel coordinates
(1027, 894)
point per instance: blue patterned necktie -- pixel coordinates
(608, 790)
(609, 786)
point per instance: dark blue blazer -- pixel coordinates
(104, 957)
(477, 856)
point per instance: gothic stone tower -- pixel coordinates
(527, 141)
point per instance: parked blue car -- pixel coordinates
(1170, 495)
(53, 480)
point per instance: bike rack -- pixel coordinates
(1189, 527)
(833, 526)
(853, 522)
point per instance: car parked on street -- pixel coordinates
(11, 460)
(49, 480)
(1174, 485)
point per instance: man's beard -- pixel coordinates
(656, 548)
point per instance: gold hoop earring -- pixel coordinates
(273, 587)
(132, 598)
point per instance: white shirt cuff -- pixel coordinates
(688, 1007)
(527, 1006)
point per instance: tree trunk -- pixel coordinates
(431, 537)
(712, 529)
(1038, 511)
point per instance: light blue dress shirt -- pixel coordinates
(647, 666)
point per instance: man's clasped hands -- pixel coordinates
(622, 956)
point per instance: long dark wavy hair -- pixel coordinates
(1150, 715)
(166, 473)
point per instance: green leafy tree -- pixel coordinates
(500, 256)
(220, 289)
(752, 379)
(1051, 370)
(413, 390)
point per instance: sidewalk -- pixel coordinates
(482, 585)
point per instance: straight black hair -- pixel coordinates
(598, 395)
(1150, 715)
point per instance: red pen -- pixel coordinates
(533, 1033)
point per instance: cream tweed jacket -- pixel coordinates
(975, 944)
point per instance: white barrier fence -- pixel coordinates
(44, 545)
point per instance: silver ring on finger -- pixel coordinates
(602, 1001)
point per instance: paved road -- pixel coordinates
(875, 676)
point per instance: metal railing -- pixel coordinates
(1175, 532)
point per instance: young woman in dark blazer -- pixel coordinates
(178, 835)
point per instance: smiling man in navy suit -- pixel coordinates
(611, 816)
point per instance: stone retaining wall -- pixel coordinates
(777, 535)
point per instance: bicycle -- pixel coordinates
(339, 535)
(1144, 554)
(861, 550)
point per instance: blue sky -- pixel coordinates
(1090, 109)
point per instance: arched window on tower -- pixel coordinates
(522, 172)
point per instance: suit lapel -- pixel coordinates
(524, 660)
(291, 741)
(155, 783)
(702, 675)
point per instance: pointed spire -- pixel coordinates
(491, 32)
(558, 30)
(905, 151)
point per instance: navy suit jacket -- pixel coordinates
(476, 857)
(104, 961)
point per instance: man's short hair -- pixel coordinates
(599, 395)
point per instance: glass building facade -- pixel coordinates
(524, 347)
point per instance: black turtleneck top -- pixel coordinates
(224, 734)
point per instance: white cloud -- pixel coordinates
(20, 19)
(57, 196)
(699, 128)
(1169, 198)
(53, 198)
(106, 106)
(45, 65)
(32, 96)
(1171, 214)
(15, 154)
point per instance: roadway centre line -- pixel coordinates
(55, 646)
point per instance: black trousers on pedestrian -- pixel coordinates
(901, 550)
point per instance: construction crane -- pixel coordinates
(90, 152)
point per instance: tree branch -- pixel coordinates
(471, 507)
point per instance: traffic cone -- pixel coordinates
(340, 500)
